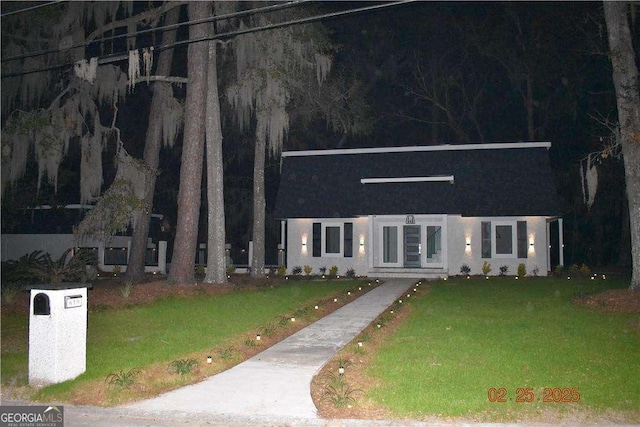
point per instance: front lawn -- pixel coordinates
(174, 328)
(504, 349)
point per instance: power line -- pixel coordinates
(30, 8)
(165, 27)
(222, 36)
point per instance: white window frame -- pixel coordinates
(514, 239)
(340, 225)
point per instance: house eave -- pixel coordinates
(420, 148)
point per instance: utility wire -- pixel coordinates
(165, 27)
(222, 36)
(30, 8)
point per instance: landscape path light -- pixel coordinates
(209, 359)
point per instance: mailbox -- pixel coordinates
(41, 305)
(57, 333)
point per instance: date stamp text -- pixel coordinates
(528, 395)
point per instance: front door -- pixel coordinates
(412, 246)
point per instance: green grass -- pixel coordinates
(121, 339)
(466, 337)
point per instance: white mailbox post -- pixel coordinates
(57, 333)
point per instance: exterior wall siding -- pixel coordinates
(463, 230)
(457, 232)
(300, 246)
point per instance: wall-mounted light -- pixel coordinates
(467, 247)
(532, 247)
(304, 243)
(361, 250)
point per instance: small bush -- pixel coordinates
(296, 271)
(282, 270)
(308, 269)
(522, 270)
(128, 287)
(465, 269)
(227, 353)
(559, 270)
(123, 379)
(585, 271)
(323, 270)
(200, 271)
(351, 273)
(231, 269)
(333, 271)
(503, 270)
(182, 366)
(338, 392)
(486, 268)
(117, 271)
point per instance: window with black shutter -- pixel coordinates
(522, 239)
(317, 240)
(348, 239)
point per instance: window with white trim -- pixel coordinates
(504, 239)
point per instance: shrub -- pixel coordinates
(503, 270)
(296, 271)
(41, 268)
(182, 366)
(333, 271)
(559, 270)
(282, 270)
(486, 268)
(128, 286)
(585, 271)
(123, 379)
(351, 272)
(308, 269)
(231, 269)
(323, 270)
(522, 270)
(465, 269)
(117, 270)
(200, 270)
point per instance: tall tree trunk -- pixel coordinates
(153, 143)
(216, 260)
(257, 260)
(184, 247)
(625, 79)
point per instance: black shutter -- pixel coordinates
(486, 239)
(317, 240)
(522, 239)
(348, 239)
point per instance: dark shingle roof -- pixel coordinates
(489, 180)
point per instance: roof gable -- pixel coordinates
(472, 180)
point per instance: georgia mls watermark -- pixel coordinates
(31, 416)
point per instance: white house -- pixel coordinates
(420, 211)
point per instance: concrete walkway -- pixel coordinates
(276, 383)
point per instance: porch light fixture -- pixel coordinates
(209, 359)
